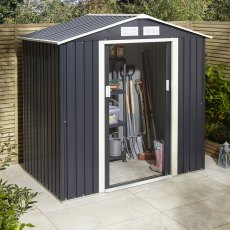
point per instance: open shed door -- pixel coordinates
(125, 118)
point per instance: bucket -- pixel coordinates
(115, 146)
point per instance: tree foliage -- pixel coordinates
(46, 11)
(218, 10)
(8, 9)
(54, 11)
(102, 6)
(169, 10)
(217, 100)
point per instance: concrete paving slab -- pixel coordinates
(197, 200)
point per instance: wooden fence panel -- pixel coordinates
(11, 82)
(8, 72)
(217, 49)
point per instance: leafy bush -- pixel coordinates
(6, 151)
(217, 101)
(14, 201)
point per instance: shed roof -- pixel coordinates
(89, 24)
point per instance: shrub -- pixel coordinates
(6, 151)
(14, 201)
(217, 99)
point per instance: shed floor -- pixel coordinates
(121, 172)
(196, 200)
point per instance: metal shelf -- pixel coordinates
(115, 158)
(116, 92)
(120, 123)
(117, 59)
(119, 94)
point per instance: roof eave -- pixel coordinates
(98, 30)
(38, 40)
(139, 16)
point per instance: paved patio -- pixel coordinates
(198, 200)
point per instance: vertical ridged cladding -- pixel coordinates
(41, 114)
(191, 104)
(79, 75)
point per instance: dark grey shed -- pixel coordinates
(61, 99)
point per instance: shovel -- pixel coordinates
(129, 126)
(136, 139)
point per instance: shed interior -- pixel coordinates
(137, 105)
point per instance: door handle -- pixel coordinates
(107, 91)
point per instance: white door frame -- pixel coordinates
(174, 102)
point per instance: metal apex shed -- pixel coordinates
(64, 69)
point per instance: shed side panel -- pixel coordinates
(63, 129)
(200, 103)
(56, 131)
(193, 107)
(79, 68)
(191, 104)
(45, 114)
(41, 119)
(71, 119)
(35, 114)
(80, 116)
(88, 117)
(38, 110)
(95, 116)
(181, 107)
(187, 112)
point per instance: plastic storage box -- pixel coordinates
(113, 114)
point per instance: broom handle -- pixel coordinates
(131, 95)
(142, 104)
(145, 98)
(128, 111)
(132, 105)
(127, 102)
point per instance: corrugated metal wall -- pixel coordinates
(79, 116)
(191, 88)
(42, 114)
(191, 104)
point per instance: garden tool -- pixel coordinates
(146, 105)
(138, 86)
(140, 141)
(134, 135)
(129, 124)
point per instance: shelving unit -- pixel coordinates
(114, 63)
(116, 92)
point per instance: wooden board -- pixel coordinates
(11, 82)
(212, 148)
